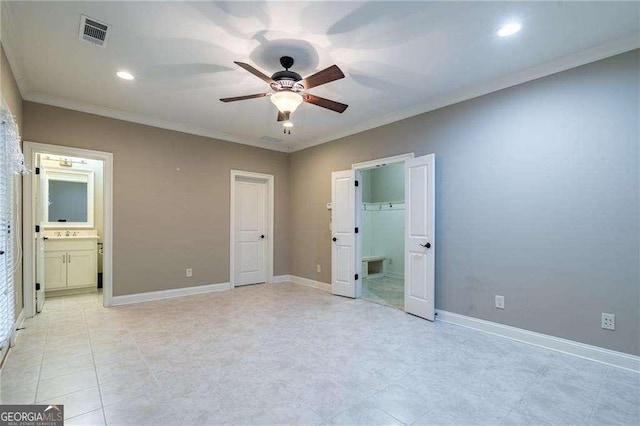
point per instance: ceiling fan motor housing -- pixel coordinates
(287, 80)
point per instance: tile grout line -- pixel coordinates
(95, 367)
(597, 400)
(151, 371)
(44, 348)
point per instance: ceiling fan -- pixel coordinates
(289, 88)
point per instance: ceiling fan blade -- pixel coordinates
(322, 77)
(325, 103)
(242, 98)
(284, 116)
(255, 72)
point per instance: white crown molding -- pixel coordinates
(593, 54)
(593, 353)
(564, 63)
(146, 120)
(167, 294)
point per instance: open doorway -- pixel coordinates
(69, 208)
(68, 225)
(382, 234)
(347, 259)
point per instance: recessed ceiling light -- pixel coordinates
(509, 29)
(125, 75)
(287, 124)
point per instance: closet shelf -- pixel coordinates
(389, 205)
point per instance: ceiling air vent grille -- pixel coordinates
(93, 31)
(270, 139)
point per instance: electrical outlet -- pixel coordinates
(499, 302)
(189, 272)
(608, 321)
(318, 268)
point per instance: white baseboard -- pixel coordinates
(277, 279)
(310, 283)
(168, 294)
(396, 275)
(582, 350)
(373, 276)
(16, 325)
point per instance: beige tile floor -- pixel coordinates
(384, 291)
(288, 354)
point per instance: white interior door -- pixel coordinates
(343, 260)
(40, 204)
(40, 275)
(419, 236)
(250, 232)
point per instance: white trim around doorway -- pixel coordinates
(382, 161)
(358, 168)
(269, 180)
(28, 229)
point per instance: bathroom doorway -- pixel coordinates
(382, 234)
(68, 224)
(68, 208)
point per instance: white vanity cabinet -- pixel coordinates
(70, 263)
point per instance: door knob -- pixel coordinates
(334, 239)
(428, 245)
(262, 237)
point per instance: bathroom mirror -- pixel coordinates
(68, 198)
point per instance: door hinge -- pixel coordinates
(37, 170)
(357, 183)
(37, 228)
(356, 229)
(357, 276)
(37, 286)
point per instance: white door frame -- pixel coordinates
(269, 180)
(359, 168)
(28, 220)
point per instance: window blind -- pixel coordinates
(11, 162)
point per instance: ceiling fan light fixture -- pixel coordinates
(287, 124)
(286, 101)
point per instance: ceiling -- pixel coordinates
(400, 58)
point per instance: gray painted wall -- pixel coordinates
(170, 196)
(537, 199)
